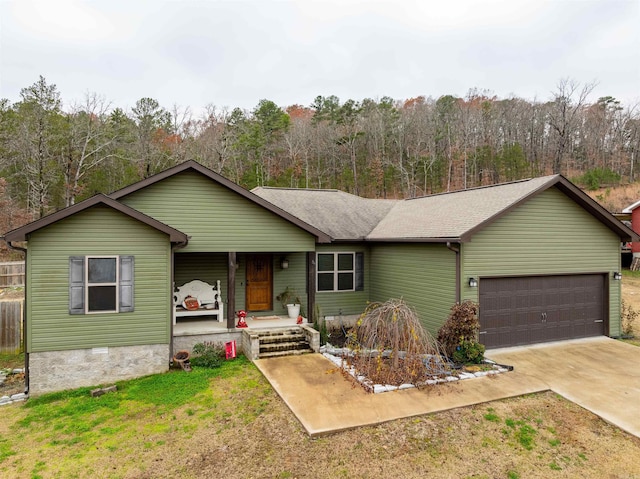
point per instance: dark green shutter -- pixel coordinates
(359, 279)
(76, 285)
(126, 284)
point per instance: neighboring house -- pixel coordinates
(540, 256)
(634, 211)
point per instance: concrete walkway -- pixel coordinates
(600, 374)
(324, 401)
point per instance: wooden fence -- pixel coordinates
(12, 274)
(10, 327)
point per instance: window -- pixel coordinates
(340, 271)
(100, 284)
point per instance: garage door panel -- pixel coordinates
(528, 310)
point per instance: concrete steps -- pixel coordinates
(283, 342)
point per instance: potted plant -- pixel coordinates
(290, 299)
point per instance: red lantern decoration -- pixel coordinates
(242, 314)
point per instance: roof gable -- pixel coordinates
(457, 216)
(20, 234)
(194, 166)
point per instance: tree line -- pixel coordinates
(52, 157)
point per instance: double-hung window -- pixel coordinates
(340, 271)
(100, 284)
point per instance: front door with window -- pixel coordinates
(259, 282)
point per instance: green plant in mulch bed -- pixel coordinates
(469, 352)
(208, 355)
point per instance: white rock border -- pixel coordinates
(18, 397)
(335, 355)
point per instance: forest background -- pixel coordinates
(54, 155)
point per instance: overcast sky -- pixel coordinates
(235, 53)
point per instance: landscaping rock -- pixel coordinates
(101, 391)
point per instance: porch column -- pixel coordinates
(311, 285)
(231, 290)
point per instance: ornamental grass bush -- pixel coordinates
(390, 346)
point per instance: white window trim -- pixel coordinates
(88, 285)
(336, 271)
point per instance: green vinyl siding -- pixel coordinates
(424, 275)
(295, 276)
(96, 231)
(216, 218)
(549, 234)
(207, 267)
(331, 303)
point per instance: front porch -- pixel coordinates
(189, 331)
(253, 282)
(196, 326)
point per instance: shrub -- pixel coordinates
(628, 317)
(208, 355)
(469, 352)
(461, 326)
(320, 325)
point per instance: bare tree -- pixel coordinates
(88, 141)
(564, 114)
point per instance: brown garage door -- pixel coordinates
(536, 309)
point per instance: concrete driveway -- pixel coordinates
(600, 374)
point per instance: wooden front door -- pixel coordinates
(259, 282)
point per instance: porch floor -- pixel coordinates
(194, 326)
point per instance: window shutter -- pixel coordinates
(126, 284)
(359, 279)
(76, 285)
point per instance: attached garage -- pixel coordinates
(539, 256)
(535, 309)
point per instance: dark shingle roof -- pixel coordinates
(454, 216)
(341, 215)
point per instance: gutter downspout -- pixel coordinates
(174, 248)
(456, 250)
(24, 315)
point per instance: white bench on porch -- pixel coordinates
(209, 297)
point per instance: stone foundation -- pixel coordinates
(57, 370)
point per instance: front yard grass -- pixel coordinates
(230, 422)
